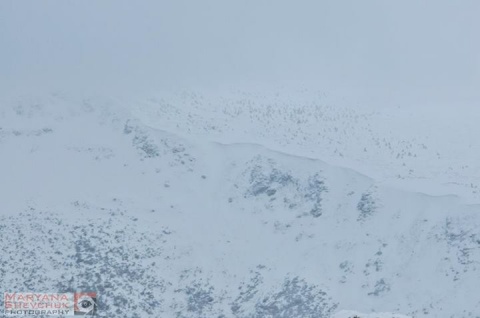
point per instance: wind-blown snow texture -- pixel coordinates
(171, 218)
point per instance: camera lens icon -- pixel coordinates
(85, 305)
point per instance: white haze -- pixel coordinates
(415, 51)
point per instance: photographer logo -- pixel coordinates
(85, 303)
(51, 304)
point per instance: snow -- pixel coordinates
(354, 314)
(425, 148)
(239, 205)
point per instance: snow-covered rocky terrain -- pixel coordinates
(245, 205)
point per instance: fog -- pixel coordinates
(428, 49)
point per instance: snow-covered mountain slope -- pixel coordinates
(163, 220)
(354, 314)
(421, 147)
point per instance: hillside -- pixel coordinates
(242, 206)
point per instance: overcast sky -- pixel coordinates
(372, 45)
